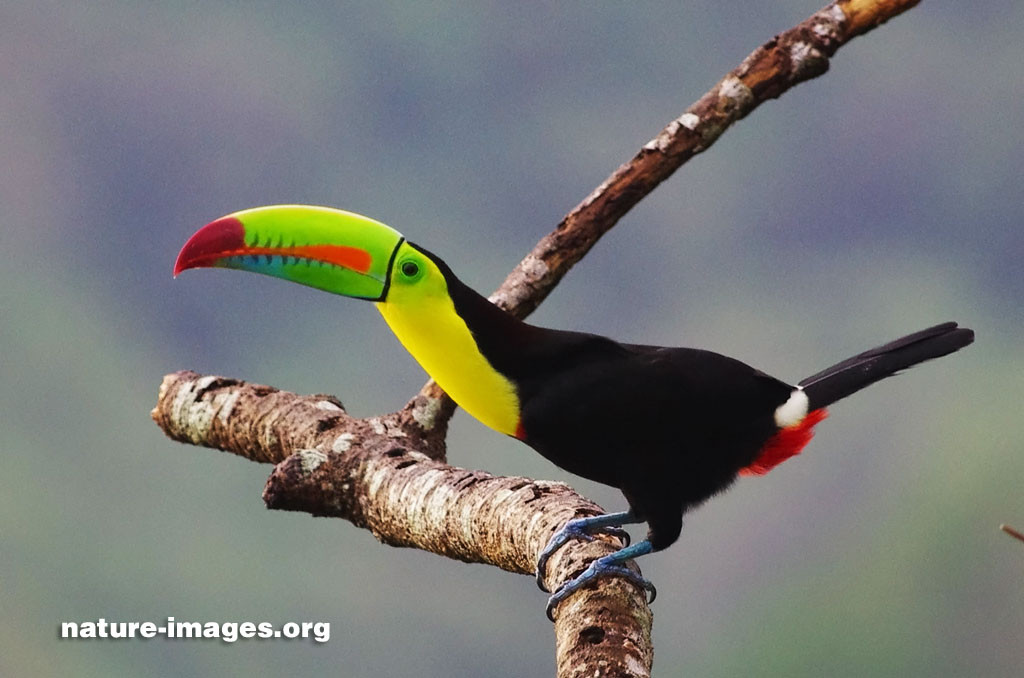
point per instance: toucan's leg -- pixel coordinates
(609, 565)
(584, 528)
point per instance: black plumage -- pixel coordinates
(669, 427)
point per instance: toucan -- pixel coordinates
(669, 427)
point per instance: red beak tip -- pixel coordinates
(224, 234)
(182, 263)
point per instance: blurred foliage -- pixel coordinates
(875, 200)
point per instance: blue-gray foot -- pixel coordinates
(610, 565)
(584, 528)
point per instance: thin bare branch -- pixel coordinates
(799, 54)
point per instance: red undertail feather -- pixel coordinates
(785, 444)
(520, 431)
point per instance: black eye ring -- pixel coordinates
(410, 269)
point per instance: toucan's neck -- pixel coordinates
(467, 344)
(501, 337)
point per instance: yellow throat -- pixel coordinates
(424, 319)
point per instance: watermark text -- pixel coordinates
(228, 632)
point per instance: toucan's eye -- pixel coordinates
(410, 269)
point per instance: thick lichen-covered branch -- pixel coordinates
(374, 473)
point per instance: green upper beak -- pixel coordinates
(321, 247)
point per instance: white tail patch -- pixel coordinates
(793, 411)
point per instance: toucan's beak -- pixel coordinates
(329, 249)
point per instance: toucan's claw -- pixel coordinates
(609, 565)
(595, 571)
(620, 534)
(583, 528)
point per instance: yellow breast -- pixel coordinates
(439, 340)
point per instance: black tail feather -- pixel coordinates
(853, 374)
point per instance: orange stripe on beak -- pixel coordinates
(226, 238)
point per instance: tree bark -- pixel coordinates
(388, 474)
(373, 473)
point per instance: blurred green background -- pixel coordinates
(876, 200)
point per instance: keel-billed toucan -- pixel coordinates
(669, 427)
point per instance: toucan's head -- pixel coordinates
(321, 247)
(349, 254)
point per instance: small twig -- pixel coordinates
(1012, 532)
